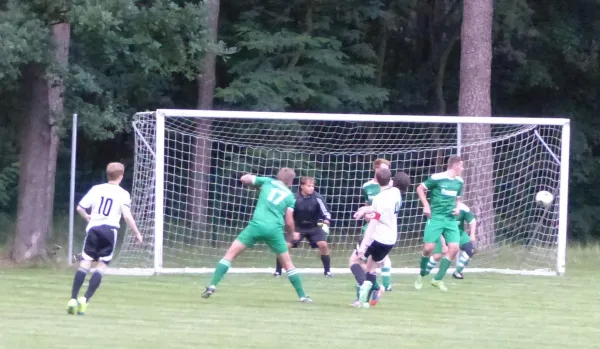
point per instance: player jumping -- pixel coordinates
(382, 233)
(310, 209)
(107, 203)
(446, 189)
(275, 202)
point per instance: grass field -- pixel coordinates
(258, 311)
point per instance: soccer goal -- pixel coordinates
(190, 204)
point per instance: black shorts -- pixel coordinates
(99, 244)
(378, 251)
(312, 235)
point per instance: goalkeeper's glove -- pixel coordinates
(325, 228)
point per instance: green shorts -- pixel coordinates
(437, 227)
(464, 238)
(272, 236)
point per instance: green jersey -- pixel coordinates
(465, 215)
(370, 189)
(274, 199)
(444, 190)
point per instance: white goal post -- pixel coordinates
(190, 205)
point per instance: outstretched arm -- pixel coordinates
(248, 179)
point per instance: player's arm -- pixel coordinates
(250, 179)
(422, 193)
(325, 214)
(290, 225)
(456, 211)
(85, 204)
(126, 212)
(472, 230)
(470, 218)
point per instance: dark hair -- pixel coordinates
(401, 181)
(383, 176)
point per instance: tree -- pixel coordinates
(475, 100)
(43, 84)
(202, 148)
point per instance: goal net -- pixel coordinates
(190, 205)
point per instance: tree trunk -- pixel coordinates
(203, 146)
(39, 149)
(474, 100)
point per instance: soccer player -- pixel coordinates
(370, 189)
(382, 233)
(446, 189)
(107, 202)
(274, 210)
(466, 243)
(310, 209)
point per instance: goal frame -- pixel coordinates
(162, 114)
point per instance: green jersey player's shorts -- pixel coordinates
(272, 236)
(436, 227)
(464, 238)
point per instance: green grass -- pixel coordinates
(258, 311)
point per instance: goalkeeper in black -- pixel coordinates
(312, 218)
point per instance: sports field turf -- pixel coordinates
(258, 311)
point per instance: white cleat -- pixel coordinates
(419, 282)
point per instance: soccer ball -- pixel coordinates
(544, 198)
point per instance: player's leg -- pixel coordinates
(294, 244)
(452, 237)
(107, 240)
(88, 255)
(435, 257)
(433, 231)
(358, 268)
(467, 252)
(377, 253)
(318, 239)
(246, 239)
(277, 243)
(386, 273)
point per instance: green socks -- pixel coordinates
(220, 271)
(462, 262)
(387, 277)
(444, 265)
(375, 287)
(294, 277)
(424, 261)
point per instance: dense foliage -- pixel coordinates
(377, 56)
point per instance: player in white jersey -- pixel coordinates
(107, 203)
(382, 233)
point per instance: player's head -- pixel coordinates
(401, 181)
(114, 172)
(455, 165)
(383, 176)
(381, 163)
(286, 175)
(307, 185)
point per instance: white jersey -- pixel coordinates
(107, 203)
(387, 205)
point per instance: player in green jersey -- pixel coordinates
(441, 210)
(274, 211)
(467, 240)
(467, 243)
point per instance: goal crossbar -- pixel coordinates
(493, 120)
